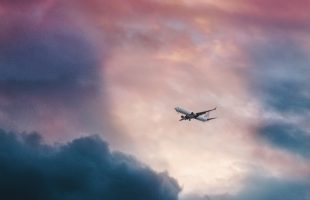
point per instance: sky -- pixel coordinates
(96, 80)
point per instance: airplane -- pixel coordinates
(201, 116)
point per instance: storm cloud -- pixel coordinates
(82, 169)
(266, 187)
(279, 77)
(280, 74)
(50, 68)
(271, 188)
(287, 136)
(37, 61)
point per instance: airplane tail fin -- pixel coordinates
(211, 118)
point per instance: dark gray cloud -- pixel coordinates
(263, 187)
(81, 169)
(55, 67)
(280, 78)
(280, 75)
(287, 136)
(195, 197)
(271, 188)
(49, 69)
(37, 60)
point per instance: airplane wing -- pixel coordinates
(183, 111)
(204, 112)
(204, 119)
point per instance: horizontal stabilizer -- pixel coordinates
(211, 118)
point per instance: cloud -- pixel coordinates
(82, 169)
(278, 77)
(264, 15)
(57, 92)
(206, 71)
(271, 188)
(20, 3)
(34, 61)
(258, 187)
(50, 68)
(279, 74)
(195, 197)
(287, 136)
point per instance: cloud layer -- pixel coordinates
(259, 186)
(50, 67)
(250, 58)
(271, 188)
(82, 169)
